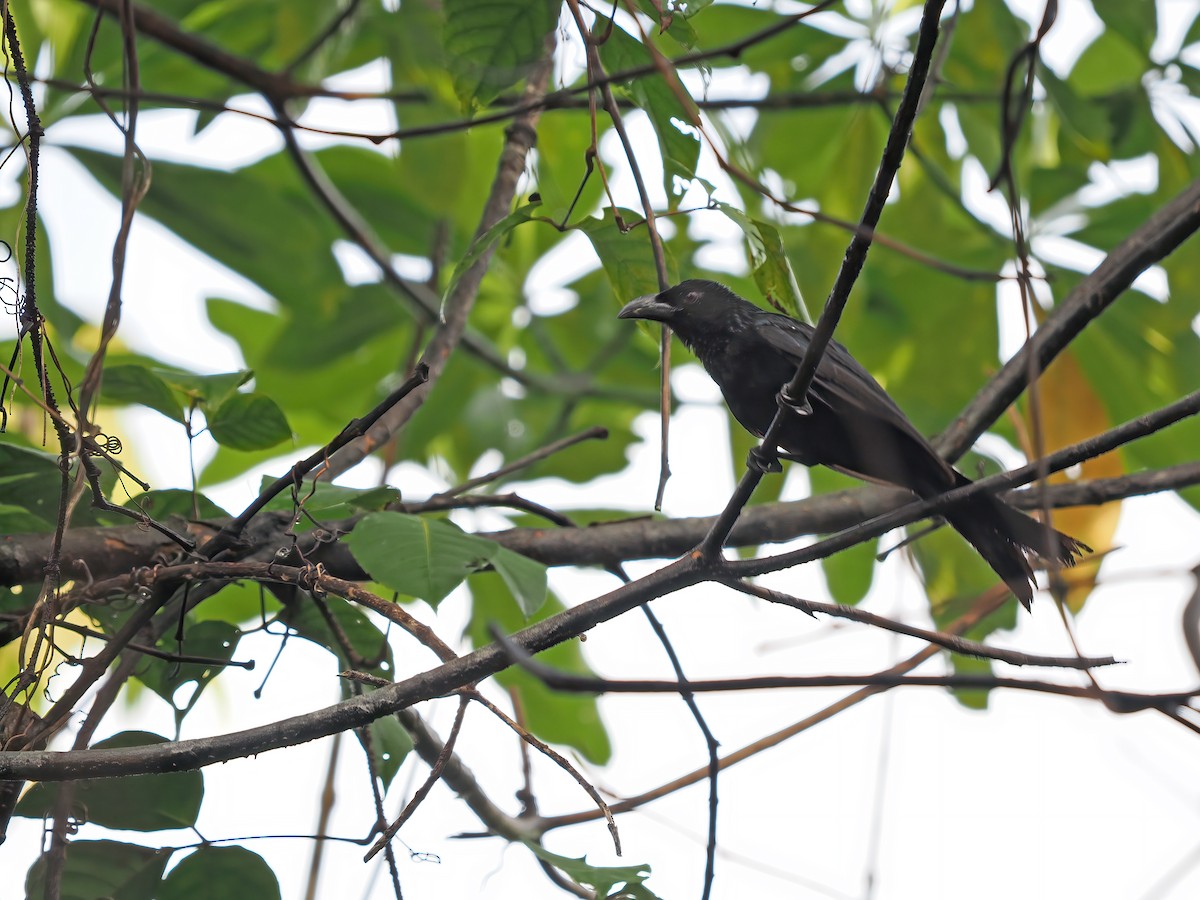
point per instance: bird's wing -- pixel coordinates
(841, 382)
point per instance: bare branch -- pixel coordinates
(951, 642)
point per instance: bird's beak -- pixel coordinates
(648, 307)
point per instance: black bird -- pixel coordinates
(853, 426)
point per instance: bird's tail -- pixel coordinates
(1007, 538)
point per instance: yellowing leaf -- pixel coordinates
(1071, 411)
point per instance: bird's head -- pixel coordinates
(686, 305)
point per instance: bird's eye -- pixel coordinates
(692, 297)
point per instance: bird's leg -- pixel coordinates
(800, 407)
(762, 462)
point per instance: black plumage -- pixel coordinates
(853, 426)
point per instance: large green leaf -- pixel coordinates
(1141, 355)
(220, 872)
(249, 422)
(350, 623)
(137, 384)
(133, 803)
(104, 870)
(175, 502)
(428, 558)
(331, 501)
(238, 218)
(208, 390)
(955, 575)
(525, 578)
(389, 744)
(671, 109)
(492, 44)
(1134, 22)
(1108, 64)
(486, 241)
(625, 254)
(418, 555)
(214, 640)
(30, 480)
(769, 264)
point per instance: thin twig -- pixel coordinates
(950, 642)
(794, 393)
(595, 433)
(573, 682)
(554, 756)
(435, 773)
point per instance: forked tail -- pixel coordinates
(1006, 538)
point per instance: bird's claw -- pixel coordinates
(762, 462)
(800, 407)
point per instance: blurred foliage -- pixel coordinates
(331, 347)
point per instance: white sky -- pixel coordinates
(1040, 797)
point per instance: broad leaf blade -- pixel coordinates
(492, 44)
(220, 872)
(249, 422)
(104, 870)
(134, 803)
(418, 555)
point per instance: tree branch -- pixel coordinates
(110, 551)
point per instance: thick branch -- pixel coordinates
(521, 136)
(352, 713)
(1169, 227)
(111, 551)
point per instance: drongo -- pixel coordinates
(850, 423)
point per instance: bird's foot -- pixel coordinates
(762, 462)
(800, 407)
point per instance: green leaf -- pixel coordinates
(259, 220)
(1003, 618)
(133, 803)
(848, 574)
(525, 577)
(33, 482)
(1141, 355)
(104, 870)
(563, 143)
(389, 745)
(955, 575)
(1108, 64)
(769, 263)
(210, 390)
(418, 555)
(678, 141)
(493, 44)
(137, 384)
(1088, 124)
(215, 640)
(625, 254)
(571, 719)
(249, 422)
(346, 319)
(333, 501)
(239, 603)
(1133, 20)
(17, 519)
(175, 502)
(487, 240)
(220, 872)
(604, 880)
(366, 641)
